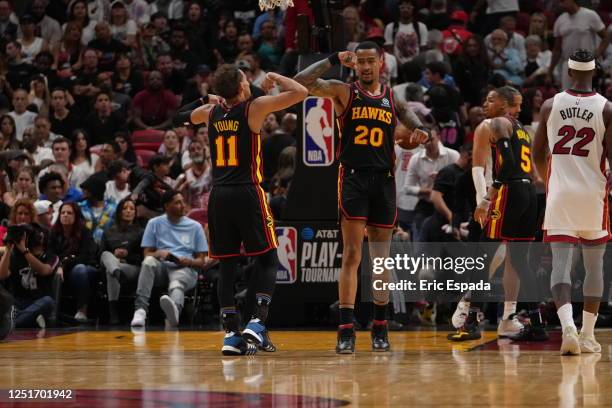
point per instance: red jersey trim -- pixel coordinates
(383, 91)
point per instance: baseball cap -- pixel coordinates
(42, 206)
(159, 159)
(459, 15)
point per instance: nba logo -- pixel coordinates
(318, 148)
(287, 254)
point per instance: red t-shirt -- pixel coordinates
(454, 37)
(155, 106)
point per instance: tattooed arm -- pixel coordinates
(416, 133)
(337, 90)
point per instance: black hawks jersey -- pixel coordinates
(520, 143)
(366, 130)
(235, 151)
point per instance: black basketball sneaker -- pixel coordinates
(346, 341)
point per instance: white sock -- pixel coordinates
(588, 323)
(566, 316)
(509, 308)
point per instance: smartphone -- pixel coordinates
(172, 258)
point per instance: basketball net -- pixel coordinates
(270, 4)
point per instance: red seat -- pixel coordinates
(145, 156)
(153, 146)
(200, 215)
(148, 136)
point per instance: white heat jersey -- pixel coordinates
(576, 186)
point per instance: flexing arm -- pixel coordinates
(291, 93)
(540, 141)
(337, 90)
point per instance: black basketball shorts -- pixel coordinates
(239, 214)
(369, 195)
(514, 213)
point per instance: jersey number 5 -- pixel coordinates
(567, 133)
(525, 159)
(232, 159)
(367, 136)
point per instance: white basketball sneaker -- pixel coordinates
(509, 327)
(570, 343)
(461, 314)
(588, 344)
(140, 317)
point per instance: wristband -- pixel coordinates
(334, 59)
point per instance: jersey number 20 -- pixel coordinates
(232, 150)
(367, 136)
(567, 133)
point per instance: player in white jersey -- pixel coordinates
(576, 126)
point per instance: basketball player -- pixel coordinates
(237, 209)
(494, 106)
(576, 126)
(513, 215)
(367, 112)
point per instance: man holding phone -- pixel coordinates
(174, 246)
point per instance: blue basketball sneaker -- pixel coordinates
(235, 345)
(255, 332)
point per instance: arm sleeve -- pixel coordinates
(508, 162)
(480, 182)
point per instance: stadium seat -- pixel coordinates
(145, 156)
(148, 136)
(200, 215)
(152, 146)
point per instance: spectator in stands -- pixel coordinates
(269, 46)
(62, 148)
(103, 122)
(138, 11)
(226, 47)
(475, 117)
(184, 59)
(200, 84)
(155, 106)
(162, 27)
(151, 46)
(538, 61)
(120, 103)
(530, 109)
(77, 13)
(23, 187)
(435, 74)
(8, 133)
(174, 80)
(245, 45)
(63, 121)
(405, 202)
(153, 185)
(51, 187)
(8, 29)
(578, 27)
(29, 267)
(48, 27)
(34, 146)
(70, 48)
(354, 31)
(173, 246)
(44, 214)
(197, 180)
(123, 28)
(456, 34)
(80, 155)
(31, 44)
(117, 188)
(42, 131)
(505, 61)
(472, 70)
(126, 80)
(121, 254)
(538, 25)
(422, 171)
(107, 45)
(280, 138)
(109, 153)
(19, 71)
(72, 242)
(23, 118)
(446, 117)
(269, 126)
(196, 29)
(405, 37)
(96, 211)
(126, 147)
(515, 40)
(84, 89)
(171, 148)
(38, 98)
(44, 65)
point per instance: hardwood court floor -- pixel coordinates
(157, 369)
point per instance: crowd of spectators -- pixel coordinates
(91, 156)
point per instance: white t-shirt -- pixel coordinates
(577, 31)
(113, 193)
(406, 44)
(404, 201)
(29, 51)
(121, 32)
(22, 122)
(42, 153)
(86, 168)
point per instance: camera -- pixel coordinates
(15, 233)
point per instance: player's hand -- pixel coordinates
(419, 136)
(348, 59)
(481, 214)
(269, 81)
(214, 99)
